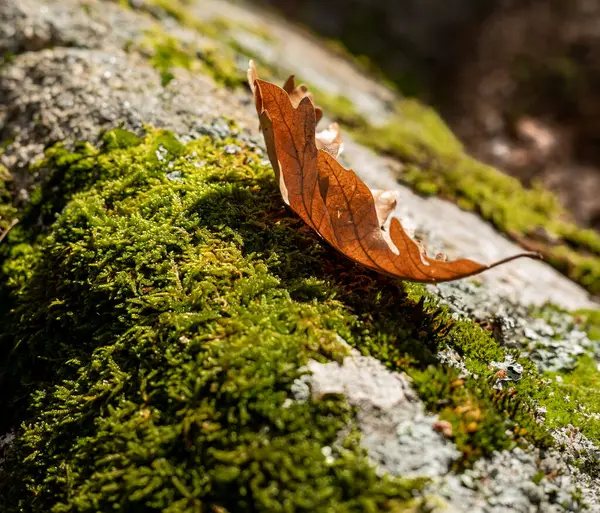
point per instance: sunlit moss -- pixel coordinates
(167, 53)
(590, 320)
(574, 398)
(155, 338)
(156, 327)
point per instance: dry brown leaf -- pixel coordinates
(333, 200)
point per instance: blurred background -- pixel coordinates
(517, 80)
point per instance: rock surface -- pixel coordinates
(396, 431)
(71, 79)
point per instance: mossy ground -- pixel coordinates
(580, 390)
(163, 346)
(156, 326)
(167, 52)
(153, 330)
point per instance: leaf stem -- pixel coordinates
(528, 254)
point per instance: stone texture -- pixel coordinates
(396, 430)
(516, 481)
(403, 440)
(68, 94)
(551, 341)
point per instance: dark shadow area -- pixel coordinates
(414, 42)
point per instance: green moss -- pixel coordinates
(161, 351)
(118, 139)
(590, 321)
(167, 52)
(573, 397)
(578, 394)
(339, 108)
(582, 268)
(480, 416)
(156, 326)
(223, 67)
(217, 28)
(176, 9)
(6, 58)
(159, 9)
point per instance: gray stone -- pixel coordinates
(507, 482)
(396, 431)
(68, 94)
(5, 441)
(551, 341)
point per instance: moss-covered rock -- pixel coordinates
(155, 329)
(176, 36)
(154, 346)
(164, 317)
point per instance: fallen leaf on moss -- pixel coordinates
(332, 199)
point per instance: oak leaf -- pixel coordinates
(332, 199)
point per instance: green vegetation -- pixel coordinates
(573, 396)
(579, 389)
(157, 303)
(167, 53)
(156, 326)
(6, 58)
(175, 9)
(590, 320)
(157, 347)
(580, 393)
